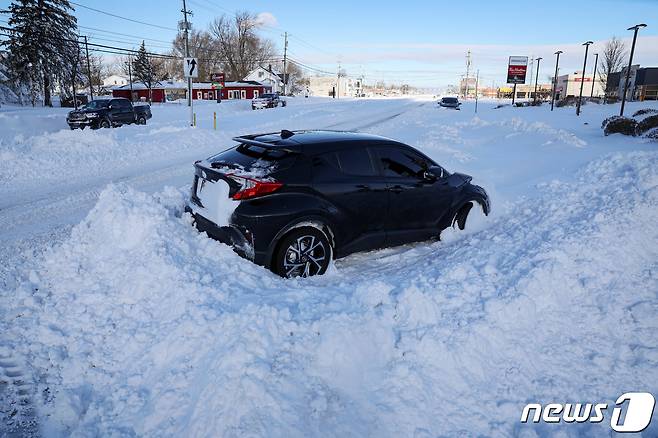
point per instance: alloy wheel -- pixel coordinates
(304, 257)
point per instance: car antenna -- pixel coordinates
(286, 134)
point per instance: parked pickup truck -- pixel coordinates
(105, 113)
(267, 100)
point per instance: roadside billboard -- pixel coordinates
(516, 69)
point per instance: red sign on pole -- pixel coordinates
(218, 79)
(516, 69)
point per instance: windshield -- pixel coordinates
(97, 104)
(266, 95)
(450, 99)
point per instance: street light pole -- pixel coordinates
(537, 77)
(596, 63)
(630, 62)
(582, 79)
(557, 62)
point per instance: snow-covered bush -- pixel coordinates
(608, 120)
(645, 111)
(568, 101)
(652, 134)
(647, 124)
(621, 125)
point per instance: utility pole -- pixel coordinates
(537, 77)
(557, 62)
(91, 89)
(582, 79)
(477, 80)
(596, 63)
(75, 76)
(338, 82)
(630, 62)
(285, 61)
(186, 29)
(130, 78)
(468, 71)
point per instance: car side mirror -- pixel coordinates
(433, 173)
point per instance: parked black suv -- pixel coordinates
(104, 113)
(292, 201)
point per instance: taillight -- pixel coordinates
(252, 188)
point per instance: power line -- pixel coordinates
(122, 18)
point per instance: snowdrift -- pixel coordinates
(138, 324)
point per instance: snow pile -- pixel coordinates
(137, 324)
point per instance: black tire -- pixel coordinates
(303, 252)
(141, 120)
(105, 123)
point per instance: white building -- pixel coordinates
(114, 80)
(326, 86)
(569, 85)
(268, 77)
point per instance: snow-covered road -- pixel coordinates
(119, 318)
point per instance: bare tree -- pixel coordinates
(201, 47)
(613, 56)
(238, 46)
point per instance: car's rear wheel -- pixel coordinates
(141, 120)
(304, 252)
(104, 123)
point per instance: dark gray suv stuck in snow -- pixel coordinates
(292, 201)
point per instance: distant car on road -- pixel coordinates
(105, 113)
(267, 100)
(293, 201)
(450, 102)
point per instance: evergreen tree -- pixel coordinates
(42, 45)
(145, 70)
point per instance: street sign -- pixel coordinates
(190, 68)
(217, 79)
(516, 69)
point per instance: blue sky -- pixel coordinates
(420, 42)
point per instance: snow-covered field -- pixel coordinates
(118, 318)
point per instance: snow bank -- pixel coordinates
(137, 324)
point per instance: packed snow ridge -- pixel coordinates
(137, 324)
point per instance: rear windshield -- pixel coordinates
(267, 95)
(450, 99)
(246, 157)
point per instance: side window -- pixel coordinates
(125, 104)
(399, 162)
(355, 162)
(114, 104)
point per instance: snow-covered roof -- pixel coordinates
(182, 85)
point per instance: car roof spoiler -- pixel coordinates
(249, 139)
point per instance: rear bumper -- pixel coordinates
(240, 240)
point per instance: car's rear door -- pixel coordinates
(417, 203)
(350, 181)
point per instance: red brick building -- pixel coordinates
(169, 90)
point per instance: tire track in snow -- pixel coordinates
(17, 413)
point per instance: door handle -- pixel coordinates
(363, 187)
(395, 189)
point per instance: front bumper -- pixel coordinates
(81, 123)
